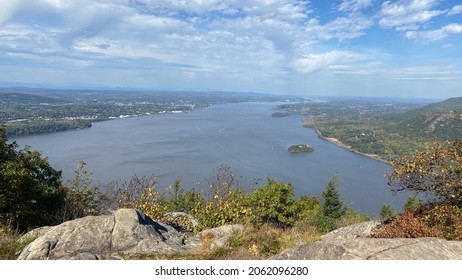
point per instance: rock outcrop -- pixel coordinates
(181, 221)
(354, 243)
(218, 237)
(127, 232)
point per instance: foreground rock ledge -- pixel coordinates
(126, 232)
(354, 243)
(129, 232)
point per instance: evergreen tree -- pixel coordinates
(387, 212)
(333, 205)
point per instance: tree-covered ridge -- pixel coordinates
(440, 121)
(385, 128)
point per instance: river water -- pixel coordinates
(192, 145)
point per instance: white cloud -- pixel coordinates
(246, 44)
(407, 14)
(425, 72)
(191, 6)
(152, 22)
(286, 9)
(316, 62)
(354, 5)
(7, 9)
(436, 35)
(455, 10)
(345, 28)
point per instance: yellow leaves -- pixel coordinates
(148, 201)
(436, 170)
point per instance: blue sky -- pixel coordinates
(406, 48)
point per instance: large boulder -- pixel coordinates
(354, 243)
(127, 231)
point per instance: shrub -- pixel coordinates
(223, 200)
(446, 218)
(217, 210)
(408, 225)
(307, 207)
(324, 223)
(81, 198)
(274, 203)
(138, 193)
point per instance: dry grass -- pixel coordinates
(255, 243)
(10, 243)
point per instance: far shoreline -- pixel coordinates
(340, 144)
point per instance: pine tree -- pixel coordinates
(333, 205)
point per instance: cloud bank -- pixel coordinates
(258, 45)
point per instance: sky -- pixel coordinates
(404, 48)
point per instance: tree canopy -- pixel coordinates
(436, 171)
(30, 189)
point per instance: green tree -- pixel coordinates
(333, 204)
(176, 198)
(30, 189)
(387, 212)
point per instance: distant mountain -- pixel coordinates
(437, 121)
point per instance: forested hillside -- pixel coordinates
(437, 121)
(384, 128)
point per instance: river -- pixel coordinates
(191, 145)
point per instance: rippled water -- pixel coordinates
(191, 145)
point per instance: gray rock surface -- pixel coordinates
(126, 232)
(220, 236)
(33, 234)
(376, 249)
(181, 221)
(354, 243)
(353, 231)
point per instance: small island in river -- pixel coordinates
(300, 148)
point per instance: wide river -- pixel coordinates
(192, 145)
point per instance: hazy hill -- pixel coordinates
(436, 121)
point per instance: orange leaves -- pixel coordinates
(432, 220)
(407, 225)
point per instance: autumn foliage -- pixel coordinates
(436, 171)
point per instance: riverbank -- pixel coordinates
(349, 148)
(309, 123)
